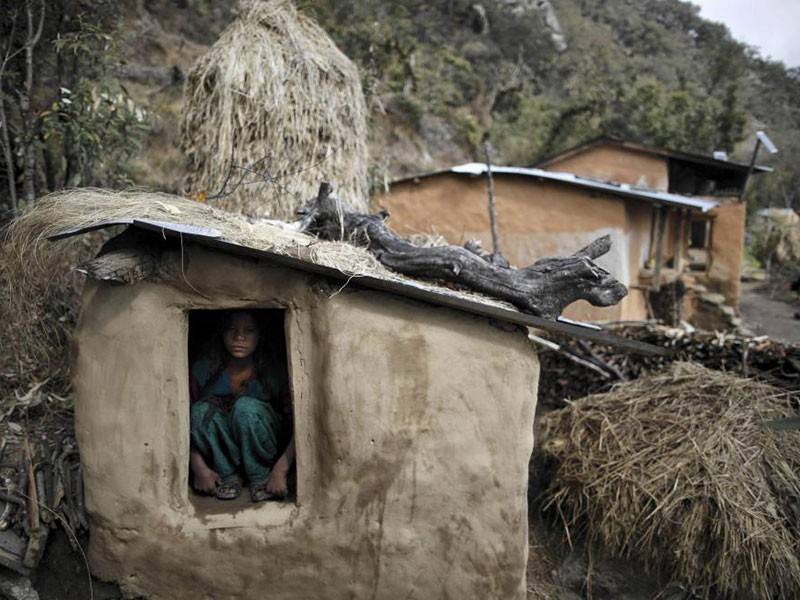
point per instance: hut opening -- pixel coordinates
(241, 416)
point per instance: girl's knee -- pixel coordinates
(251, 412)
(247, 405)
(198, 413)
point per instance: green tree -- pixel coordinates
(66, 121)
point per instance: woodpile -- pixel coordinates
(40, 478)
(564, 377)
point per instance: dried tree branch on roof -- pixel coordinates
(544, 288)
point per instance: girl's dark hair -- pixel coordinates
(268, 358)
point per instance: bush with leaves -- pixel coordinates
(67, 120)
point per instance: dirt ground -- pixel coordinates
(768, 313)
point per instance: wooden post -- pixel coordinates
(661, 215)
(678, 259)
(750, 168)
(492, 206)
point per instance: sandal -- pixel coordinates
(228, 490)
(259, 493)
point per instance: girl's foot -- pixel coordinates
(259, 493)
(228, 490)
(277, 484)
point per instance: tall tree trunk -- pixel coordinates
(8, 156)
(29, 122)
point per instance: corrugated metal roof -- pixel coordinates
(619, 189)
(694, 157)
(408, 288)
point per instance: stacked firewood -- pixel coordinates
(40, 477)
(565, 376)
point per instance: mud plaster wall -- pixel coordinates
(413, 428)
(727, 249)
(536, 219)
(614, 163)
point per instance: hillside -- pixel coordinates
(533, 76)
(537, 77)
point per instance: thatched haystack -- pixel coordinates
(271, 110)
(679, 470)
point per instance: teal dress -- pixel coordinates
(236, 432)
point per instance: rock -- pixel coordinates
(478, 19)
(550, 18)
(16, 587)
(713, 298)
(751, 274)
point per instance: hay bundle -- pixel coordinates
(679, 470)
(271, 110)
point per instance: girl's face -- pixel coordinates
(241, 335)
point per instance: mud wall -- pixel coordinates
(727, 248)
(536, 219)
(615, 163)
(413, 429)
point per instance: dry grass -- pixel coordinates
(38, 308)
(39, 303)
(81, 208)
(679, 470)
(275, 94)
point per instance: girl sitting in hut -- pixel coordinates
(240, 415)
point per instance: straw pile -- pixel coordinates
(679, 470)
(271, 110)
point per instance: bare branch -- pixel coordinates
(38, 34)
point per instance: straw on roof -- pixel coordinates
(679, 470)
(274, 95)
(87, 207)
(39, 304)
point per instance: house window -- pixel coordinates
(241, 424)
(699, 244)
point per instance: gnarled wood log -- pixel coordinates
(544, 288)
(128, 258)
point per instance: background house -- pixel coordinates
(646, 199)
(713, 242)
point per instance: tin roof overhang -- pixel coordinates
(211, 238)
(620, 189)
(693, 157)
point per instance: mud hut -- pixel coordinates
(413, 414)
(273, 93)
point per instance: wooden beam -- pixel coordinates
(661, 225)
(681, 232)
